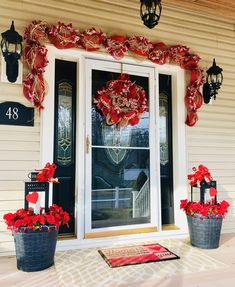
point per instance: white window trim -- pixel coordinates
(179, 143)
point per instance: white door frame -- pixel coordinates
(47, 134)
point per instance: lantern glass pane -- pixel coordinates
(4, 46)
(143, 9)
(219, 78)
(18, 48)
(213, 78)
(11, 48)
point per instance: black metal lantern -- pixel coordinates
(213, 83)
(150, 12)
(11, 46)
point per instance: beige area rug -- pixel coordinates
(86, 268)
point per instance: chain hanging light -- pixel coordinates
(11, 47)
(150, 12)
(213, 83)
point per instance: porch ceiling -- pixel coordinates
(225, 9)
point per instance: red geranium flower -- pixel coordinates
(55, 216)
(208, 210)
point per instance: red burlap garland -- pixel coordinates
(65, 36)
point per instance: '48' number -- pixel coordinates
(12, 113)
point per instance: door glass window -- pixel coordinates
(64, 140)
(120, 165)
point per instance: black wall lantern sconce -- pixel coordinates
(150, 12)
(214, 79)
(11, 47)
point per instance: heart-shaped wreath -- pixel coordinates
(121, 102)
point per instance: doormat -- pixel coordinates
(137, 254)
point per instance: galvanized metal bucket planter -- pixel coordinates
(35, 250)
(205, 232)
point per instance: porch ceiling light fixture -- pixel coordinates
(11, 47)
(214, 79)
(150, 12)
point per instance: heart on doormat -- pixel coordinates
(32, 197)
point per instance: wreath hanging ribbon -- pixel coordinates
(121, 102)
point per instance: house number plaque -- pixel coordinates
(13, 113)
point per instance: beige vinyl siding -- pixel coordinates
(210, 142)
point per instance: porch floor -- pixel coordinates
(86, 268)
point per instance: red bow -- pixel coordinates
(47, 174)
(200, 173)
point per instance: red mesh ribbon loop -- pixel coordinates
(116, 46)
(35, 56)
(63, 36)
(159, 54)
(177, 53)
(190, 62)
(193, 98)
(34, 89)
(140, 45)
(91, 39)
(36, 31)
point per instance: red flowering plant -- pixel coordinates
(46, 219)
(23, 219)
(210, 209)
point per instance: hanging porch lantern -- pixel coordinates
(214, 79)
(11, 47)
(150, 12)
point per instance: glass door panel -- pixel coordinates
(120, 164)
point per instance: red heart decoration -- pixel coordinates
(32, 197)
(213, 191)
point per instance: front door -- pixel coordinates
(121, 171)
